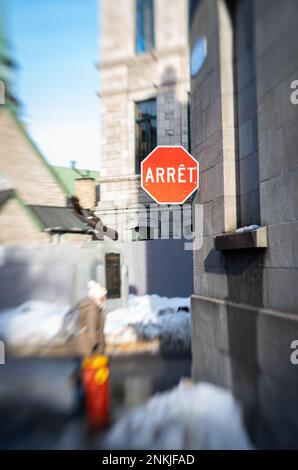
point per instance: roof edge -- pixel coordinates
(36, 149)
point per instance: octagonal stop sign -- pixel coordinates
(169, 175)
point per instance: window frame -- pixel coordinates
(137, 121)
(144, 33)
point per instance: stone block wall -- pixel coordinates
(86, 192)
(245, 302)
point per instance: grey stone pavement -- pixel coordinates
(39, 402)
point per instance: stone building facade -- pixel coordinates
(132, 74)
(245, 136)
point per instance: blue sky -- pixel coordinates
(56, 45)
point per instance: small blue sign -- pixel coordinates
(198, 56)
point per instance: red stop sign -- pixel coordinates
(169, 175)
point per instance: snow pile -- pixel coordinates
(33, 322)
(146, 318)
(247, 228)
(151, 317)
(199, 417)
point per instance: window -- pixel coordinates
(144, 26)
(188, 124)
(146, 135)
(245, 117)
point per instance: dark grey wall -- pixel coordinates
(160, 267)
(245, 302)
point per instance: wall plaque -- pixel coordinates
(113, 275)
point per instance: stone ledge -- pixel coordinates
(147, 57)
(119, 179)
(280, 314)
(242, 241)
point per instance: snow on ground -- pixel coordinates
(146, 318)
(33, 322)
(150, 317)
(198, 417)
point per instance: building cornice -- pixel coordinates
(146, 58)
(119, 179)
(150, 86)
